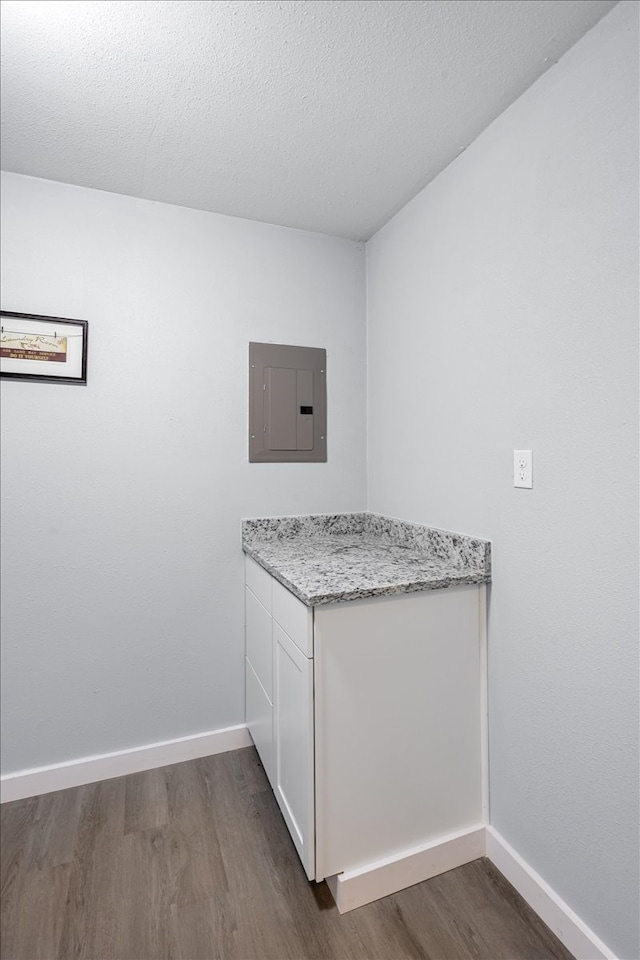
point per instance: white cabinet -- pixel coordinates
(370, 719)
(279, 700)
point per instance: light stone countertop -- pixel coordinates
(327, 558)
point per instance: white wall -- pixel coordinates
(503, 310)
(503, 313)
(122, 568)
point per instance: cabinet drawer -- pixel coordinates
(259, 641)
(259, 581)
(295, 618)
(260, 720)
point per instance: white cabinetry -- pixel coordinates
(370, 719)
(279, 700)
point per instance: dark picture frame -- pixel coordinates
(49, 349)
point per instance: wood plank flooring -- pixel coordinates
(194, 862)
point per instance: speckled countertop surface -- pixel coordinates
(326, 558)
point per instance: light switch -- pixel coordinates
(287, 403)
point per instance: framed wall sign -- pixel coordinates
(52, 349)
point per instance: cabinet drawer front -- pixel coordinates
(294, 617)
(260, 720)
(259, 581)
(259, 643)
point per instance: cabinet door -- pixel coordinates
(294, 748)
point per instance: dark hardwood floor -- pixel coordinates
(194, 862)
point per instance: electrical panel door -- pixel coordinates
(287, 404)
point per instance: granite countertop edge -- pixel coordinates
(387, 590)
(470, 556)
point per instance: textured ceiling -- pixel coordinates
(322, 114)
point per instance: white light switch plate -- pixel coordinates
(523, 469)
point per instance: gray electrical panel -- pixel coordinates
(287, 404)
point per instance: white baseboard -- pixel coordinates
(354, 888)
(74, 773)
(558, 916)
